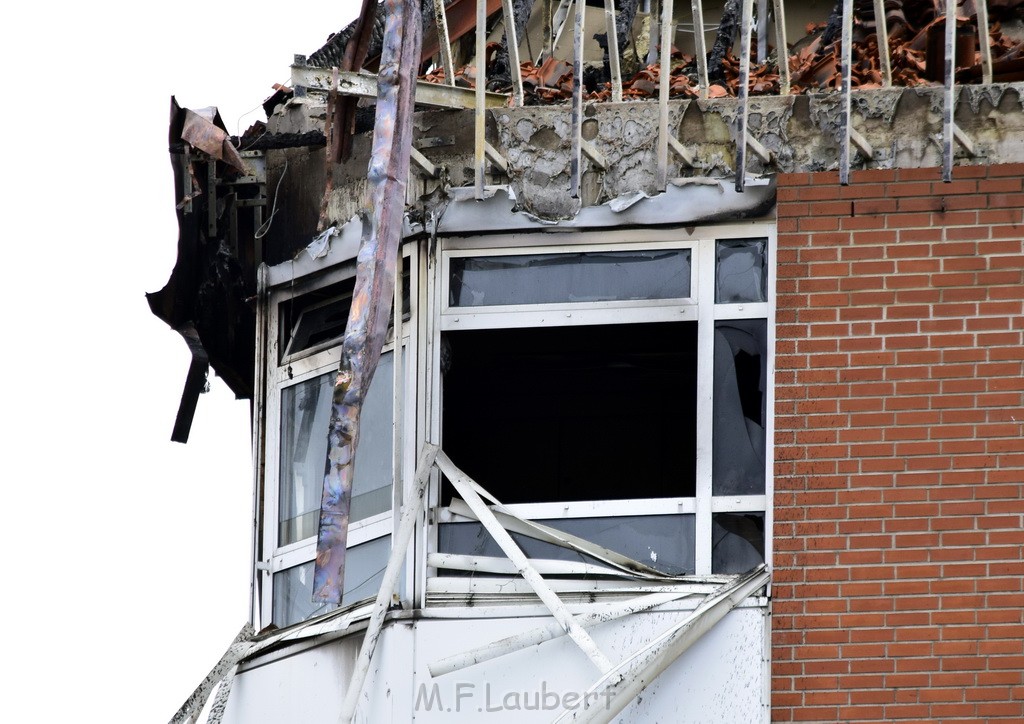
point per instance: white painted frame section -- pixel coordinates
(700, 306)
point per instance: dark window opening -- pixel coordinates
(320, 317)
(560, 414)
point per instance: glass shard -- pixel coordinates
(741, 271)
(737, 542)
(738, 428)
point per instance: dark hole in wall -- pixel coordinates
(573, 413)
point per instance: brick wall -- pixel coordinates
(899, 475)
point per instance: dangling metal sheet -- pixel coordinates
(367, 327)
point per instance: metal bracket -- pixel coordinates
(759, 150)
(495, 157)
(424, 163)
(861, 143)
(591, 152)
(685, 154)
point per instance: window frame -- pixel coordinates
(282, 372)
(699, 307)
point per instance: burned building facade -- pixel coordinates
(701, 396)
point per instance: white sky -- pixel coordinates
(129, 567)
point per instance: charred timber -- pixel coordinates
(375, 282)
(724, 40)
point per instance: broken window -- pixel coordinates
(631, 409)
(738, 452)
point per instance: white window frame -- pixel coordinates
(283, 372)
(699, 307)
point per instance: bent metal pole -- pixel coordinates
(384, 206)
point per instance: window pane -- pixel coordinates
(575, 277)
(737, 542)
(741, 274)
(364, 571)
(305, 416)
(663, 542)
(738, 429)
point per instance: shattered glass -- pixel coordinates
(569, 277)
(305, 414)
(741, 271)
(737, 542)
(739, 412)
(662, 542)
(364, 571)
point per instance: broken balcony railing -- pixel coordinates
(618, 682)
(842, 54)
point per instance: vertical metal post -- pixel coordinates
(576, 161)
(700, 47)
(948, 97)
(782, 51)
(882, 33)
(613, 50)
(398, 390)
(509, 16)
(983, 41)
(668, 27)
(444, 42)
(762, 30)
(480, 127)
(844, 139)
(744, 92)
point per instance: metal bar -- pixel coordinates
(561, 20)
(591, 152)
(539, 635)
(387, 178)
(762, 30)
(983, 41)
(532, 529)
(492, 564)
(512, 40)
(609, 696)
(743, 92)
(460, 481)
(480, 120)
(364, 85)
(782, 51)
(576, 157)
(495, 157)
(241, 646)
(759, 149)
(423, 163)
(665, 65)
(399, 547)
(444, 43)
(948, 97)
(397, 385)
(964, 140)
(700, 47)
(844, 138)
(861, 143)
(882, 33)
(613, 50)
(684, 153)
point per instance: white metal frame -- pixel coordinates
(700, 306)
(308, 364)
